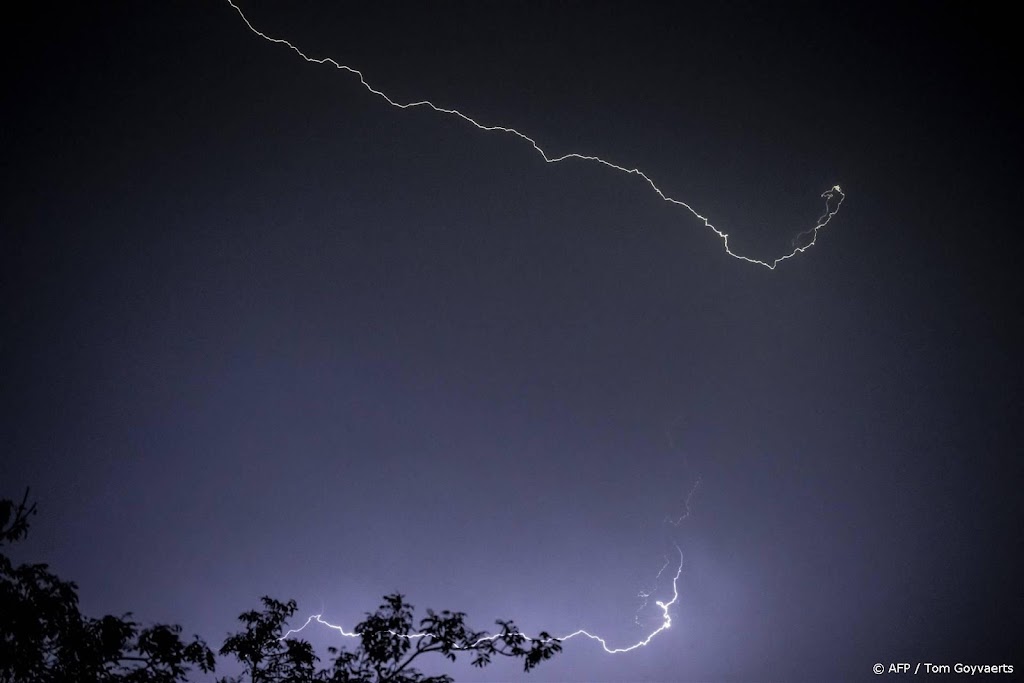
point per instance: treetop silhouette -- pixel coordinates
(45, 639)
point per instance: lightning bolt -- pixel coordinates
(833, 194)
(803, 241)
(665, 607)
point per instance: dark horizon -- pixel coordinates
(265, 334)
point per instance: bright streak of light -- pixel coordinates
(833, 196)
(665, 607)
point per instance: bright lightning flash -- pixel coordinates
(833, 196)
(665, 607)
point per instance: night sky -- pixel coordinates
(264, 334)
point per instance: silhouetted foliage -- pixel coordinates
(388, 644)
(260, 648)
(15, 528)
(44, 637)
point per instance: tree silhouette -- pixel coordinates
(44, 638)
(388, 644)
(266, 657)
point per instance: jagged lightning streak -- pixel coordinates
(665, 607)
(833, 194)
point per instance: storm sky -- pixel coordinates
(264, 334)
